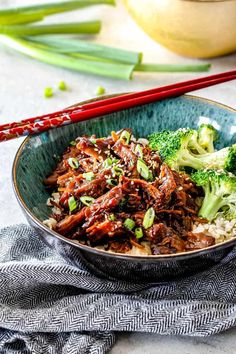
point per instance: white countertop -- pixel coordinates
(22, 82)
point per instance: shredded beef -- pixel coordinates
(117, 191)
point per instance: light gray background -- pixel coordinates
(22, 82)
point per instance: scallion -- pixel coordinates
(73, 143)
(86, 200)
(100, 91)
(107, 163)
(112, 182)
(89, 176)
(53, 7)
(62, 86)
(65, 28)
(90, 50)
(129, 224)
(117, 171)
(72, 203)
(173, 67)
(115, 70)
(111, 217)
(21, 18)
(139, 151)
(149, 217)
(93, 141)
(138, 232)
(125, 136)
(48, 92)
(143, 170)
(73, 162)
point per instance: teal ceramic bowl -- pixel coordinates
(37, 157)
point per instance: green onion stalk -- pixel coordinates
(171, 68)
(91, 27)
(114, 70)
(49, 8)
(21, 18)
(91, 51)
(80, 47)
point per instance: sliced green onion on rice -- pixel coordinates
(89, 176)
(72, 203)
(125, 136)
(138, 232)
(129, 224)
(143, 170)
(139, 151)
(86, 200)
(149, 217)
(73, 162)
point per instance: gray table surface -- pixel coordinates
(22, 82)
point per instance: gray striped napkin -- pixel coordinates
(51, 306)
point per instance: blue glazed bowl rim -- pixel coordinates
(39, 224)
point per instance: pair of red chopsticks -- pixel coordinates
(42, 123)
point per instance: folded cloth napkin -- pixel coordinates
(51, 306)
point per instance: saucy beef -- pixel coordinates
(113, 182)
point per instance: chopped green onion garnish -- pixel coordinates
(139, 151)
(125, 135)
(129, 224)
(138, 232)
(89, 176)
(48, 92)
(117, 171)
(100, 91)
(93, 141)
(73, 143)
(143, 170)
(62, 86)
(111, 217)
(72, 203)
(107, 163)
(115, 160)
(149, 217)
(112, 182)
(86, 200)
(150, 177)
(73, 162)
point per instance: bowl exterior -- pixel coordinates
(200, 29)
(38, 155)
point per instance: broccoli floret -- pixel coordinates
(224, 159)
(220, 193)
(181, 149)
(230, 162)
(158, 139)
(207, 135)
(173, 147)
(194, 144)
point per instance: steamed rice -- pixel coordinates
(221, 229)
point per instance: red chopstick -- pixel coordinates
(114, 100)
(106, 106)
